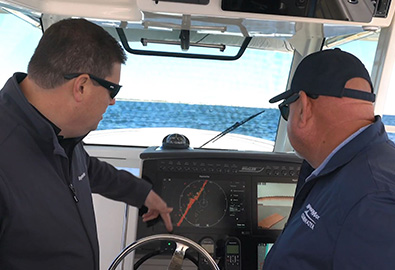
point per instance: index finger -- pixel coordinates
(167, 220)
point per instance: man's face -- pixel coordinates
(99, 100)
(293, 131)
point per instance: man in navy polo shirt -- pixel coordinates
(343, 215)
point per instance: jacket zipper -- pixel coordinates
(73, 192)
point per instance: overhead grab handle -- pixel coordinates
(125, 44)
(145, 42)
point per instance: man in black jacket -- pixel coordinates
(46, 177)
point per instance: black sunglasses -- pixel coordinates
(113, 88)
(284, 106)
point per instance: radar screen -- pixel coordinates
(204, 203)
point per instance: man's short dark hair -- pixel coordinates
(73, 46)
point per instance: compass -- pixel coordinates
(175, 141)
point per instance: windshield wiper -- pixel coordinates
(231, 128)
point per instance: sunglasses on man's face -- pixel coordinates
(284, 106)
(113, 88)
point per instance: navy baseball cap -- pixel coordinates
(326, 73)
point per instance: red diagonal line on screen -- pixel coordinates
(191, 202)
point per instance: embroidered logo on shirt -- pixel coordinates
(310, 217)
(82, 176)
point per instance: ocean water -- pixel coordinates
(133, 114)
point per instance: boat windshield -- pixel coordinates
(194, 97)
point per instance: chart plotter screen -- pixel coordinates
(202, 203)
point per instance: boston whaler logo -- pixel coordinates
(310, 216)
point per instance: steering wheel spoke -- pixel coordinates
(178, 257)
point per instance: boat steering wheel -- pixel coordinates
(182, 244)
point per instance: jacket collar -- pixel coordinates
(24, 110)
(372, 135)
(37, 123)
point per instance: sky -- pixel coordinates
(250, 81)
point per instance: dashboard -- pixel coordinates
(220, 196)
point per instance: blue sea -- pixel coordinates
(132, 114)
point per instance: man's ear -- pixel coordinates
(304, 109)
(79, 87)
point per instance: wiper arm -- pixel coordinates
(231, 128)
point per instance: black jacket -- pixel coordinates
(44, 224)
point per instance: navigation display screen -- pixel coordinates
(204, 203)
(274, 202)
